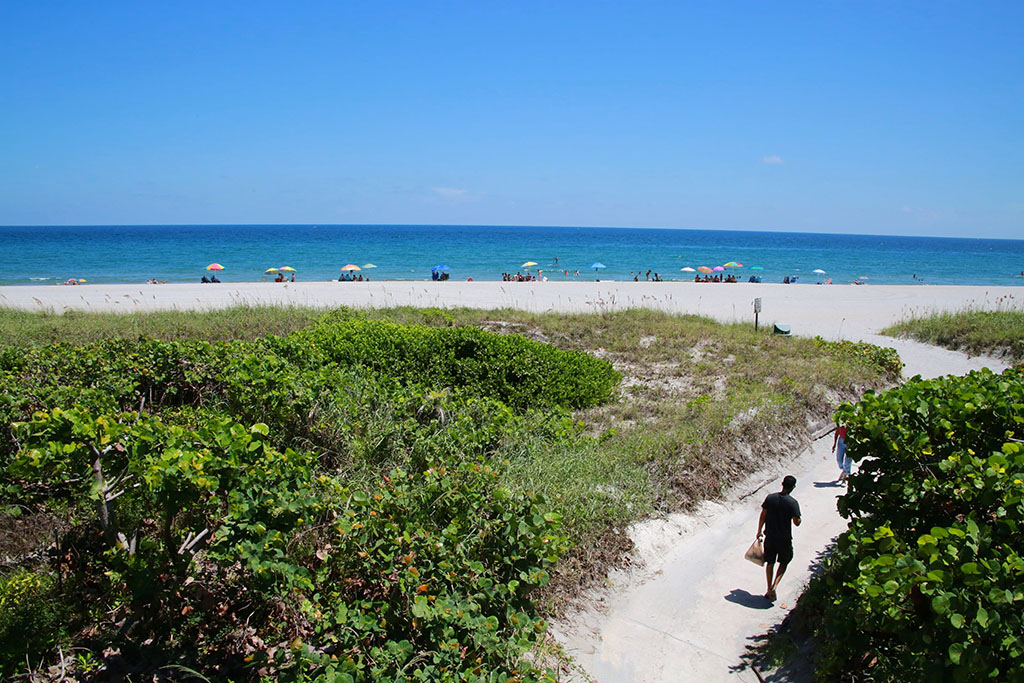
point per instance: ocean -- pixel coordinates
(180, 253)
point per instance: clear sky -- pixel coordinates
(867, 116)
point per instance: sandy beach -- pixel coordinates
(808, 309)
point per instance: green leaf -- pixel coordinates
(955, 650)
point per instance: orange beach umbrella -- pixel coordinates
(704, 269)
(351, 266)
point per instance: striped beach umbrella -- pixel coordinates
(286, 269)
(704, 269)
(215, 266)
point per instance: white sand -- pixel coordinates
(689, 607)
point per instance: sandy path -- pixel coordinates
(690, 607)
(693, 606)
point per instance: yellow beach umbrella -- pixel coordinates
(351, 266)
(528, 264)
(270, 271)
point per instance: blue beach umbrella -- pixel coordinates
(440, 268)
(598, 265)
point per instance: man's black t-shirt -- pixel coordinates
(780, 509)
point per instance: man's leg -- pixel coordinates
(782, 570)
(768, 567)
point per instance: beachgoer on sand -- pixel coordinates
(777, 510)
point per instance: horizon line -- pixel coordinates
(484, 225)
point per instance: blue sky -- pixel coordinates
(871, 117)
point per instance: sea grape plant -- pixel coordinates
(926, 583)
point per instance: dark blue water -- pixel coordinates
(134, 254)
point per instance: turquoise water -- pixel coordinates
(134, 254)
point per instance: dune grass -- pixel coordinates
(976, 332)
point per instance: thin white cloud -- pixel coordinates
(451, 193)
(772, 159)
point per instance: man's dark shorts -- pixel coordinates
(777, 552)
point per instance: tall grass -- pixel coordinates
(26, 328)
(975, 332)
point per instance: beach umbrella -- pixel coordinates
(286, 269)
(688, 269)
(367, 266)
(440, 268)
(270, 271)
(863, 277)
(704, 269)
(528, 264)
(718, 268)
(818, 271)
(598, 265)
(756, 268)
(733, 264)
(351, 266)
(215, 266)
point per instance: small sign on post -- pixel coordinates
(757, 309)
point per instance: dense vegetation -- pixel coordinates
(976, 332)
(928, 582)
(354, 497)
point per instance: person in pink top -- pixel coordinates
(839, 448)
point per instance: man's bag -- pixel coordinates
(755, 553)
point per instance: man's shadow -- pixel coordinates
(742, 597)
(828, 484)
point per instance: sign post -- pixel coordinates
(757, 309)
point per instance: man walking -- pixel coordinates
(776, 512)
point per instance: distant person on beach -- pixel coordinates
(777, 511)
(213, 278)
(839, 448)
(205, 280)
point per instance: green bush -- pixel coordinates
(882, 358)
(32, 618)
(927, 582)
(515, 370)
(228, 506)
